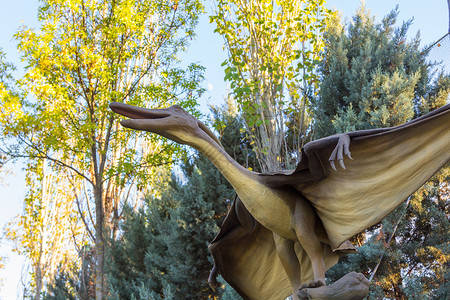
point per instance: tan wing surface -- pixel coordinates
(386, 168)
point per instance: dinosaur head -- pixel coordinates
(173, 123)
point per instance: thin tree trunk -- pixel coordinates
(38, 267)
(38, 274)
(99, 242)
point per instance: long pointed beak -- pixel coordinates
(141, 118)
(160, 121)
(134, 112)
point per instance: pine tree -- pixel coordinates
(136, 261)
(369, 75)
(372, 77)
(67, 286)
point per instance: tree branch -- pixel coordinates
(44, 155)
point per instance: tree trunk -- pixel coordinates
(38, 279)
(99, 242)
(42, 241)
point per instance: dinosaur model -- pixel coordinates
(286, 229)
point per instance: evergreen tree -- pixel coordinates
(369, 75)
(372, 77)
(73, 282)
(137, 262)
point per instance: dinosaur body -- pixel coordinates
(287, 228)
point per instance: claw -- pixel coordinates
(303, 294)
(341, 150)
(213, 285)
(341, 162)
(302, 291)
(212, 280)
(332, 165)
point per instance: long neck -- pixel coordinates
(237, 175)
(268, 206)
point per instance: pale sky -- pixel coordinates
(430, 17)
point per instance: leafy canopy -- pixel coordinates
(273, 50)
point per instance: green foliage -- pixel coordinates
(45, 230)
(88, 54)
(5, 73)
(229, 124)
(372, 77)
(135, 261)
(5, 89)
(228, 292)
(59, 290)
(85, 55)
(73, 281)
(274, 48)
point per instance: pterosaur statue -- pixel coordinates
(286, 229)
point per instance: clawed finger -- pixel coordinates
(341, 150)
(346, 149)
(333, 165)
(214, 285)
(341, 162)
(340, 155)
